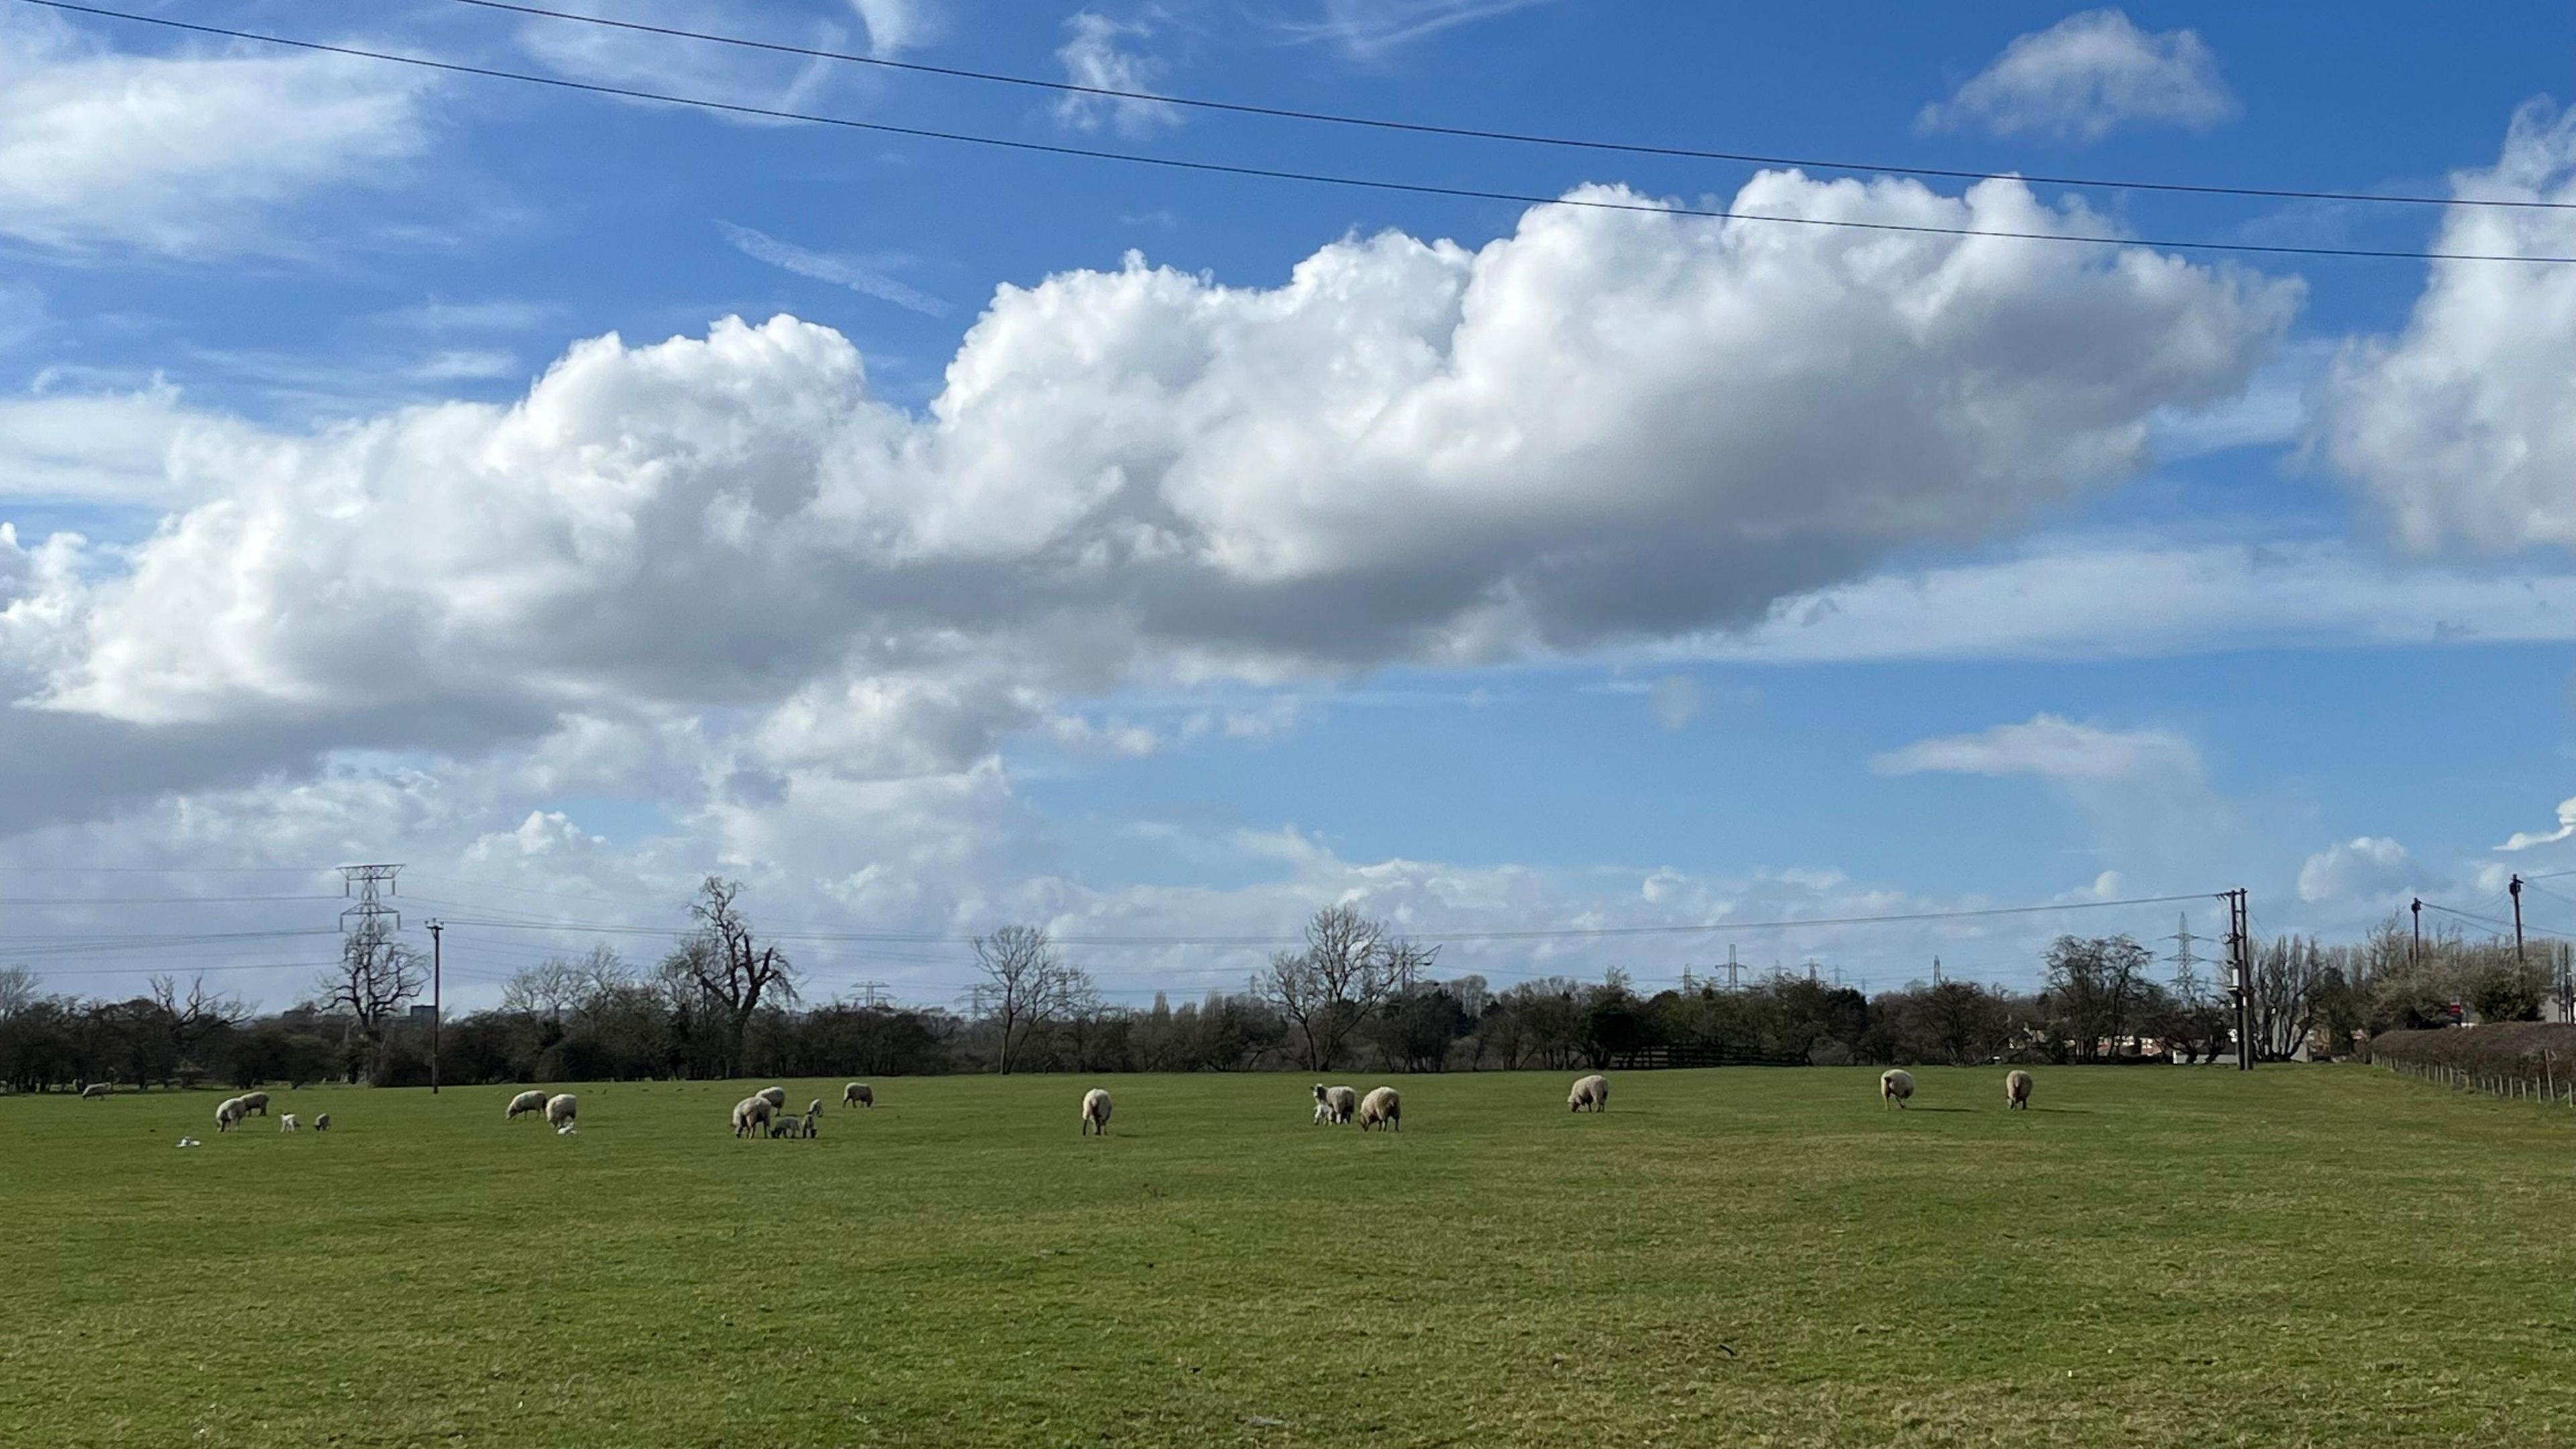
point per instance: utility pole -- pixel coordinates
(436, 961)
(2415, 953)
(361, 881)
(1734, 971)
(2240, 957)
(2515, 889)
(2186, 964)
(871, 993)
(1936, 970)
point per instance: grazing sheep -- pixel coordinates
(95, 1089)
(526, 1102)
(775, 1096)
(813, 1125)
(1381, 1108)
(1095, 1112)
(322, 1123)
(857, 1094)
(751, 1116)
(1895, 1086)
(559, 1111)
(1592, 1091)
(287, 1123)
(228, 1114)
(2017, 1090)
(814, 1106)
(784, 1127)
(1335, 1104)
(255, 1102)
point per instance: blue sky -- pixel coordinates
(1141, 552)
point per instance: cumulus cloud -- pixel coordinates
(1099, 55)
(2087, 76)
(2462, 427)
(2366, 869)
(186, 153)
(2526, 839)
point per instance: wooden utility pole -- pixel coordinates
(2515, 889)
(435, 963)
(2415, 955)
(2240, 958)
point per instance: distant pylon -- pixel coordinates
(370, 914)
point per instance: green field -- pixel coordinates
(2308, 1255)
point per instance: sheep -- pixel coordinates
(1381, 1108)
(287, 1123)
(1335, 1104)
(1895, 1086)
(813, 1124)
(525, 1102)
(322, 1123)
(560, 1109)
(228, 1114)
(785, 1127)
(1592, 1091)
(814, 1106)
(255, 1102)
(1095, 1112)
(857, 1094)
(751, 1116)
(775, 1096)
(95, 1089)
(2017, 1090)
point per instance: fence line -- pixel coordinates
(2554, 1088)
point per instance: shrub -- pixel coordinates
(2527, 1050)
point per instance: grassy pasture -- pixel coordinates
(2311, 1255)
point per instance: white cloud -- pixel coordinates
(188, 153)
(864, 275)
(2051, 748)
(1674, 701)
(1097, 56)
(2462, 428)
(641, 61)
(1368, 29)
(2087, 76)
(2367, 870)
(897, 25)
(2525, 840)
(101, 447)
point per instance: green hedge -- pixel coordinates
(2530, 1051)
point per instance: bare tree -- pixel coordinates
(1026, 986)
(377, 976)
(2285, 977)
(189, 1020)
(1344, 976)
(727, 968)
(548, 989)
(17, 989)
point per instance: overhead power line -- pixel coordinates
(30, 902)
(1221, 168)
(1522, 138)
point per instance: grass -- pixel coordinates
(2308, 1255)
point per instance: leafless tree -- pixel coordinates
(727, 968)
(377, 976)
(1026, 986)
(199, 1014)
(549, 989)
(2285, 980)
(1346, 973)
(17, 989)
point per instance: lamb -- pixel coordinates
(1095, 1112)
(1592, 1091)
(775, 1096)
(95, 1089)
(1381, 1108)
(785, 1127)
(322, 1123)
(814, 1106)
(2017, 1090)
(559, 1111)
(1335, 1104)
(255, 1102)
(287, 1123)
(751, 1116)
(1895, 1086)
(814, 1123)
(857, 1094)
(228, 1114)
(526, 1102)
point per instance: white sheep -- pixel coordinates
(228, 1114)
(255, 1102)
(813, 1125)
(814, 1106)
(95, 1089)
(1381, 1108)
(1592, 1092)
(560, 1109)
(287, 1123)
(751, 1116)
(857, 1094)
(775, 1096)
(525, 1102)
(1895, 1086)
(2017, 1090)
(1335, 1104)
(1095, 1112)
(322, 1123)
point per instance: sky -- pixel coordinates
(568, 495)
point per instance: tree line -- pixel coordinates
(724, 1002)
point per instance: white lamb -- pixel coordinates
(95, 1089)
(857, 1094)
(1095, 1112)
(525, 1102)
(1590, 1092)
(1895, 1086)
(287, 1123)
(322, 1123)
(1335, 1104)
(1381, 1108)
(559, 1111)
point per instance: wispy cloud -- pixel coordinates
(2087, 76)
(1098, 56)
(860, 274)
(1368, 29)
